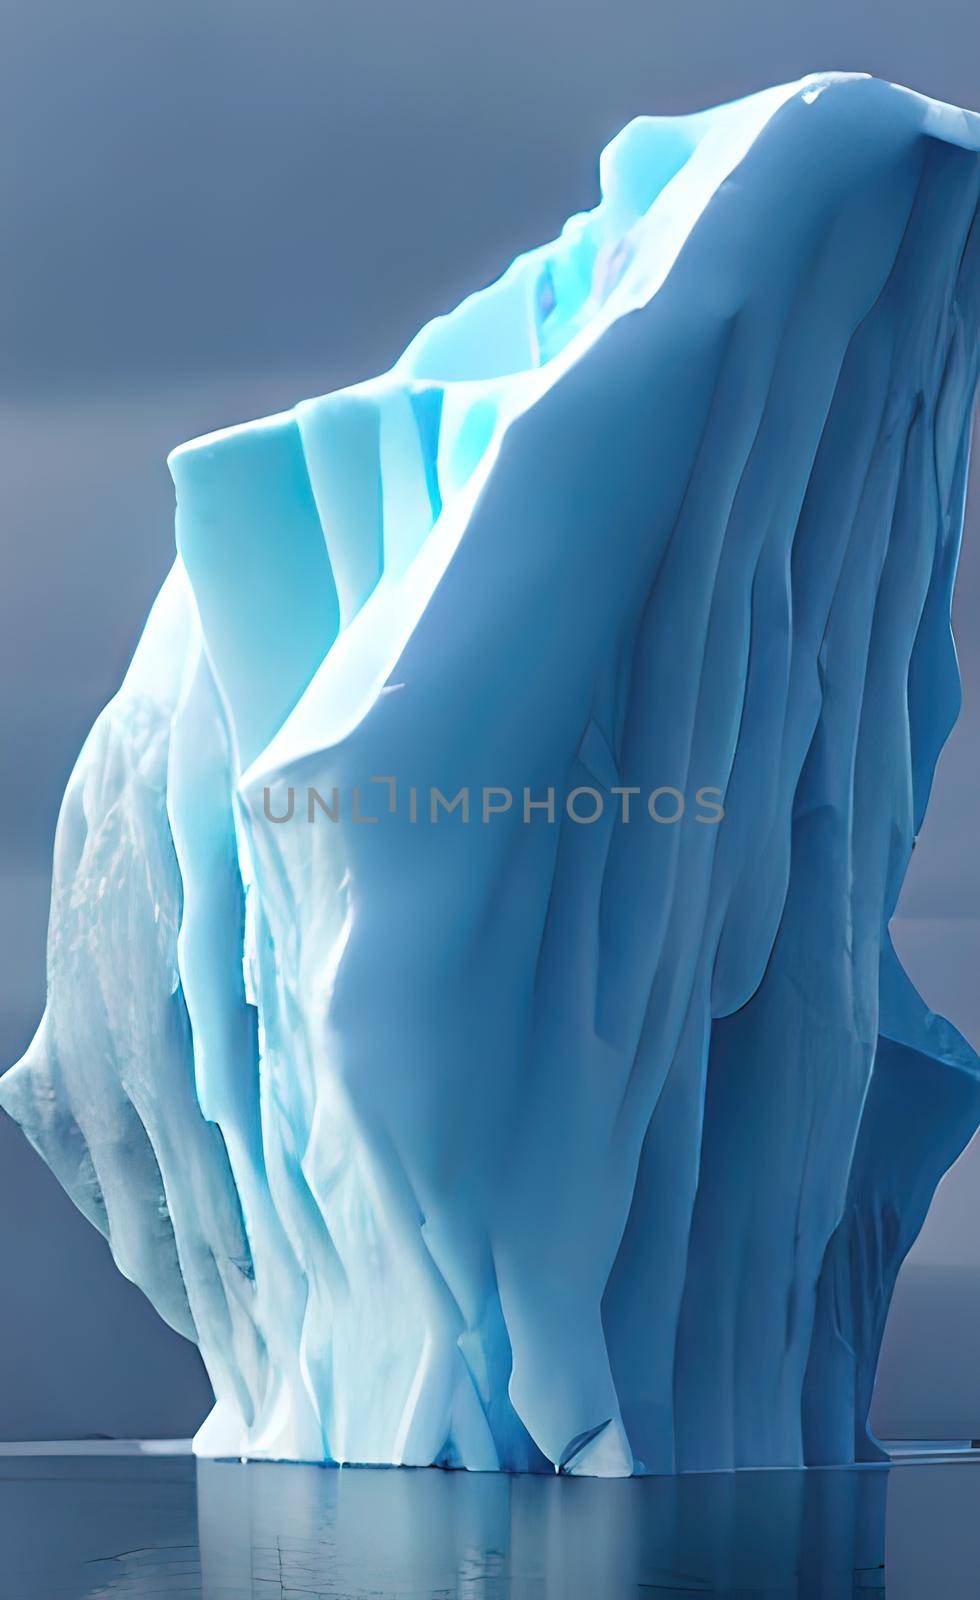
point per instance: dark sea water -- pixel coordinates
(84, 1528)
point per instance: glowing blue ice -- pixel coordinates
(524, 1139)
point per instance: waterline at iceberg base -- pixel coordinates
(536, 1142)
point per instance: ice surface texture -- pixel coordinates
(524, 1144)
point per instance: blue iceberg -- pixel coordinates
(472, 1016)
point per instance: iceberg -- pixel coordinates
(471, 1011)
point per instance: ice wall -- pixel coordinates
(530, 1140)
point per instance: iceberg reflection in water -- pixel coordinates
(91, 1528)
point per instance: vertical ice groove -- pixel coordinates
(527, 1143)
